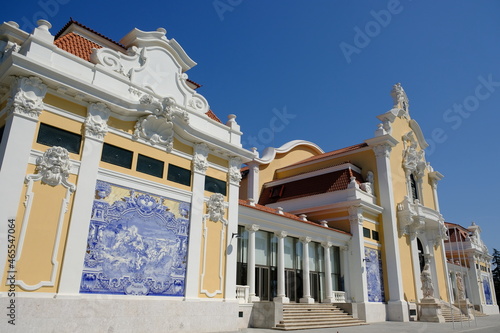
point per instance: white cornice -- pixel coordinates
(322, 159)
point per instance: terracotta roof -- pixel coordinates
(332, 153)
(273, 211)
(71, 21)
(212, 115)
(77, 45)
(196, 84)
(328, 182)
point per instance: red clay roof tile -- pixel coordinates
(328, 182)
(77, 45)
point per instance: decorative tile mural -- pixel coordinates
(487, 290)
(137, 244)
(374, 277)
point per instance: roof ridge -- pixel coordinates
(71, 21)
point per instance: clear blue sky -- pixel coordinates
(331, 66)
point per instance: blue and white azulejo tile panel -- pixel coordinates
(487, 290)
(137, 244)
(374, 277)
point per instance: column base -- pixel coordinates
(281, 299)
(329, 300)
(398, 311)
(253, 298)
(307, 300)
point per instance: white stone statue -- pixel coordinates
(427, 287)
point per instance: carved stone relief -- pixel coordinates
(27, 95)
(96, 123)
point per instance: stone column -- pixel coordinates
(328, 273)
(251, 262)
(199, 166)
(306, 283)
(359, 288)
(345, 272)
(281, 297)
(234, 178)
(24, 106)
(397, 307)
(95, 129)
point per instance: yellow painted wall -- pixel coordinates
(35, 262)
(297, 154)
(65, 105)
(407, 269)
(441, 273)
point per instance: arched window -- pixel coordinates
(421, 258)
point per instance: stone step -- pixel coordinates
(310, 316)
(319, 320)
(314, 326)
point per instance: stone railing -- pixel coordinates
(338, 296)
(242, 293)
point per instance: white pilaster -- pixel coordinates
(253, 181)
(397, 306)
(251, 262)
(328, 273)
(435, 177)
(358, 282)
(24, 106)
(95, 130)
(345, 272)
(234, 178)
(306, 282)
(416, 268)
(199, 166)
(281, 297)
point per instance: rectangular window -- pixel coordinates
(179, 175)
(117, 156)
(215, 185)
(53, 136)
(150, 166)
(375, 235)
(366, 232)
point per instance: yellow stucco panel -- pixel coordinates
(38, 224)
(407, 269)
(213, 259)
(441, 273)
(122, 125)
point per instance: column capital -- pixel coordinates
(26, 96)
(382, 145)
(252, 227)
(326, 245)
(200, 158)
(234, 174)
(281, 234)
(96, 125)
(305, 240)
(356, 215)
